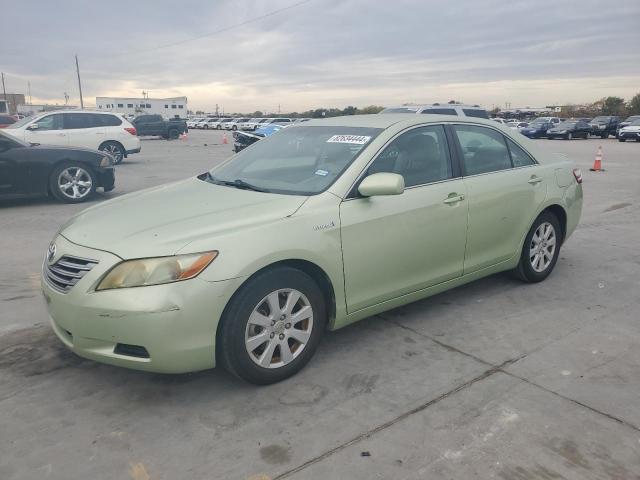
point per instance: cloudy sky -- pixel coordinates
(248, 55)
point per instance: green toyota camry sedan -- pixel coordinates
(315, 227)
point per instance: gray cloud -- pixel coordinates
(326, 52)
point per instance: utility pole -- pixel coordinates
(29, 92)
(79, 84)
(4, 91)
(217, 114)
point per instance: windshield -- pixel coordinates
(296, 160)
(537, 123)
(600, 120)
(21, 123)
(636, 122)
(566, 124)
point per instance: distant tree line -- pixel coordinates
(317, 113)
(604, 106)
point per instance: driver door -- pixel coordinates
(395, 245)
(49, 132)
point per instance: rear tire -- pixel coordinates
(114, 149)
(174, 134)
(258, 323)
(539, 254)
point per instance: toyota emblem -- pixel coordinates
(51, 253)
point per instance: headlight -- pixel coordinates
(106, 161)
(602, 127)
(156, 271)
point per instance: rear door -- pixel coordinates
(49, 132)
(84, 129)
(505, 187)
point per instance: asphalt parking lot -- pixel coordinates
(495, 379)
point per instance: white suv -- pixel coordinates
(441, 109)
(108, 132)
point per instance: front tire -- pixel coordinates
(272, 326)
(173, 134)
(72, 182)
(540, 250)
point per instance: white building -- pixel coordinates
(167, 107)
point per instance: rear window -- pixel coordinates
(108, 120)
(440, 111)
(400, 110)
(475, 112)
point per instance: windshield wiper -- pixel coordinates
(237, 183)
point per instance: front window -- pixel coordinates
(421, 156)
(296, 160)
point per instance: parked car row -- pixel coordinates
(238, 123)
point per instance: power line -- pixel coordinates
(216, 32)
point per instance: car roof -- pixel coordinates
(386, 120)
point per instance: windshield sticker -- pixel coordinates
(353, 139)
(322, 173)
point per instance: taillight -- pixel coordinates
(578, 174)
(131, 130)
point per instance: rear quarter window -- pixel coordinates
(440, 111)
(476, 113)
(107, 120)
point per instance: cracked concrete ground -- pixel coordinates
(495, 379)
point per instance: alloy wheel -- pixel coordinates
(113, 150)
(543, 247)
(74, 183)
(279, 328)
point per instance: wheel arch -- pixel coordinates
(313, 270)
(124, 150)
(561, 214)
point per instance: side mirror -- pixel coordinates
(33, 126)
(381, 184)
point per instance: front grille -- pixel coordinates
(67, 271)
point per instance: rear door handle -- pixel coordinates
(533, 180)
(453, 198)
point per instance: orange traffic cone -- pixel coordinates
(597, 163)
(224, 139)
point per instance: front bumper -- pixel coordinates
(175, 323)
(629, 135)
(107, 179)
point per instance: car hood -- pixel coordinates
(164, 220)
(632, 128)
(38, 146)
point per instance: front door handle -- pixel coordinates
(533, 180)
(453, 198)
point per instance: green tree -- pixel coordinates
(613, 106)
(256, 114)
(370, 109)
(350, 110)
(634, 105)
